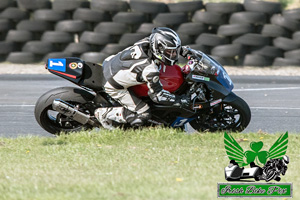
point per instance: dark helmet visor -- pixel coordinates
(171, 54)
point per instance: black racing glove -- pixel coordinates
(188, 53)
(182, 101)
(184, 51)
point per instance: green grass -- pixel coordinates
(143, 164)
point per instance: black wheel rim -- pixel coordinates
(226, 117)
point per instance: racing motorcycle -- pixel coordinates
(213, 106)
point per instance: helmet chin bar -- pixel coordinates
(170, 55)
(162, 58)
(168, 61)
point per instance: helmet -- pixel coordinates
(286, 159)
(165, 45)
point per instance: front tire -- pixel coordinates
(231, 115)
(54, 122)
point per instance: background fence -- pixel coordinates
(252, 33)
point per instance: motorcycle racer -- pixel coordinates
(213, 105)
(136, 65)
(274, 167)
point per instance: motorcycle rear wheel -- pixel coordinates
(56, 123)
(233, 116)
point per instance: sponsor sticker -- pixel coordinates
(180, 121)
(73, 65)
(215, 102)
(80, 65)
(198, 77)
(57, 64)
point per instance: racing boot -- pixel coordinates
(106, 116)
(136, 119)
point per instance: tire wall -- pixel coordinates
(252, 33)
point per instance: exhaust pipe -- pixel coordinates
(70, 111)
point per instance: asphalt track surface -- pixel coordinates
(274, 102)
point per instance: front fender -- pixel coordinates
(217, 89)
(230, 97)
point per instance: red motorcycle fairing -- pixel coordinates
(171, 78)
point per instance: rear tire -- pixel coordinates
(237, 110)
(45, 115)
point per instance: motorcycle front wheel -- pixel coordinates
(231, 116)
(56, 123)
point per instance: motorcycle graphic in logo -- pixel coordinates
(274, 162)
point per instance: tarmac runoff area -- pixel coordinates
(8, 68)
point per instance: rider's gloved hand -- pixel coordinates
(182, 101)
(186, 69)
(188, 53)
(184, 51)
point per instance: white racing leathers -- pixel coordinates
(132, 66)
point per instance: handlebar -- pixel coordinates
(202, 63)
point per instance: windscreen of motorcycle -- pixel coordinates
(213, 67)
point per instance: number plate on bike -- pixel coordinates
(57, 64)
(180, 121)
